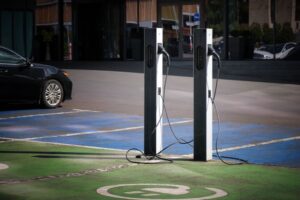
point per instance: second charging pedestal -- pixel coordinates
(153, 108)
(203, 91)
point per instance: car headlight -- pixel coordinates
(267, 57)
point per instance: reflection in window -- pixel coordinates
(170, 23)
(68, 30)
(254, 27)
(46, 21)
(139, 14)
(190, 20)
(46, 39)
(16, 29)
(215, 22)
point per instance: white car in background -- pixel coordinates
(266, 51)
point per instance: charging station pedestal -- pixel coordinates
(202, 94)
(153, 103)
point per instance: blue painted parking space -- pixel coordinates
(257, 143)
(281, 153)
(64, 122)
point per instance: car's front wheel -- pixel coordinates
(52, 94)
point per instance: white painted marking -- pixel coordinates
(62, 144)
(104, 131)
(47, 114)
(3, 166)
(83, 110)
(253, 145)
(259, 144)
(104, 191)
(150, 195)
(180, 190)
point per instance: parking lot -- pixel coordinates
(259, 121)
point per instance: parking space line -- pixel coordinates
(187, 155)
(47, 114)
(62, 144)
(83, 110)
(104, 131)
(259, 144)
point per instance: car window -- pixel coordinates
(288, 46)
(270, 48)
(9, 57)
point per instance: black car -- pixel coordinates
(26, 82)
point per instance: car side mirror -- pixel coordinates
(28, 62)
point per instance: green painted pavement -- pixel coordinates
(47, 171)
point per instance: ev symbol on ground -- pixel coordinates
(146, 191)
(3, 166)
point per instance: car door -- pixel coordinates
(18, 80)
(7, 66)
(5, 89)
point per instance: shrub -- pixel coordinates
(267, 37)
(286, 33)
(256, 32)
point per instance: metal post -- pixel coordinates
(273, 17)
(153, 66)
(226, 29)
(202, 94)
(60, 30)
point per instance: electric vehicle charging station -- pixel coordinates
(153, 98)
(203, 86)
(153, 71)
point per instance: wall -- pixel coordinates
(259, 11)
(147, 12)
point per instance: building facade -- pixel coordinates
(113, 29)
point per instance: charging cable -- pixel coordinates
(212, 52)
(151, 159)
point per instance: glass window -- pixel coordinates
(297, 10)
(215, 21)
(98, 30)
(147, 13)
(29, 35)
(68, 39)
(170, 23)
(9, 57)
(178, 20)
(245, 31)
(262, 29)
(190, 20)
(46, 22)
(18, 35)
(6, 36)
(140, 14)
(131, 12)
(16, 29)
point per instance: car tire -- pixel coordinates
(52, 94)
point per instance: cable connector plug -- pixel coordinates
(162, 50)
(211, 50)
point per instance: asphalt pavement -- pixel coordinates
(121, 90)
(256, 118)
